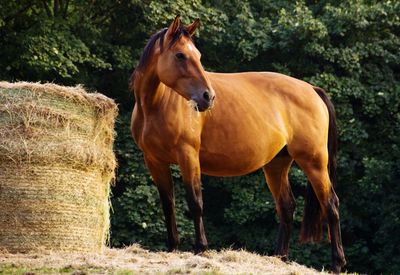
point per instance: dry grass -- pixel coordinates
(56, 165)
(135, 260)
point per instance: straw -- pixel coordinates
(56, 166)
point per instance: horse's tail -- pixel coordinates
(332, 135)
(311, 229)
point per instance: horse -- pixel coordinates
(231, 124)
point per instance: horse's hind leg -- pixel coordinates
(162, 178)
(315, 166)
(276, 174)
(338, 258)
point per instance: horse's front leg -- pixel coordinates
(162, 178)
(191, 175)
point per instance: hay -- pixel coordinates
(56, 165)
(135, 260)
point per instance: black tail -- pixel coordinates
(311, 229)
(332, 135)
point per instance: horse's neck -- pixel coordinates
(152, 97)
(148, 91)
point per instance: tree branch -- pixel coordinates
(103, 15)
(47, 8)
(56, 7)
(18, 13)
(65, 9)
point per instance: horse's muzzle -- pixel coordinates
(205, 102)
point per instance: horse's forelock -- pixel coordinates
(180, 32)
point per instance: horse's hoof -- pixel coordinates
(172, 248)
(338, 267)
(200, 248)
(281, 255)
(284, 258)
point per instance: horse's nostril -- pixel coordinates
(206, 96)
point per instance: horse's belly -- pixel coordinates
(212, 166)
(237, 161)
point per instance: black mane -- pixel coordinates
(148, 49)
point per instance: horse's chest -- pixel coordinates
(156, 140)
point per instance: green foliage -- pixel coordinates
(350, 48)
(46, 53)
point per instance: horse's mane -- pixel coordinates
(148, 49)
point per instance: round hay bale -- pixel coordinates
(56, 166)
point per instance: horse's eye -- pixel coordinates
(180, 56)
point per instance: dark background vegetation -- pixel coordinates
(350, 48)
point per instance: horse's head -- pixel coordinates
(179, 65)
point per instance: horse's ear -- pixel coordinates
(192, 27)
(174, 26)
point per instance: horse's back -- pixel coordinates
(275, 98)
(255, 115)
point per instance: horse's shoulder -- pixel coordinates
(136, 123)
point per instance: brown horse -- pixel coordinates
(235, 124)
